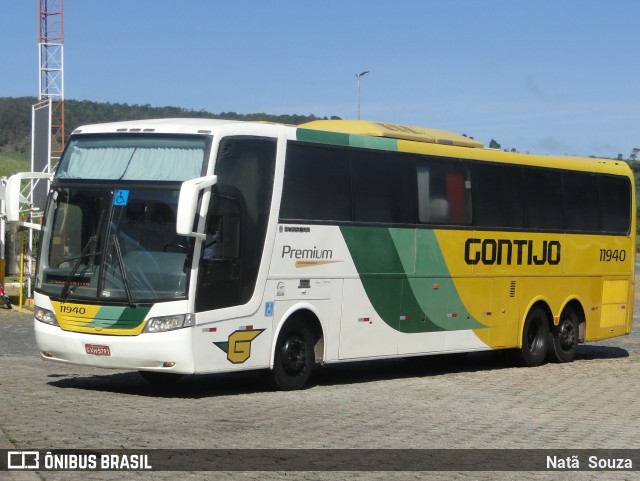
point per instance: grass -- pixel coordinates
(12, 162)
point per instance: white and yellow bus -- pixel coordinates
(175, 247)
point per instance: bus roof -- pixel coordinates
(161, 126)
(393, 131)
(420, 140)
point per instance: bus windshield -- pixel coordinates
(110, 230)
(113, 244)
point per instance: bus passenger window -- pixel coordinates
(498, 195)
(581, 202)
(383, 188)
(315, 172)
(544, 202)
(444, 193)
(615, 204)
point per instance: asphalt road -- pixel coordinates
(456, 401)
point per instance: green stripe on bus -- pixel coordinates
(348, 140)
(113, 317)
(405, 301)
(320, 136)
(378, 143)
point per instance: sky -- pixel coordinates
(557, 77)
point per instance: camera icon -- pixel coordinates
(23, 460)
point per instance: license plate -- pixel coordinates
(97, 350)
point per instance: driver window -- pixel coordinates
(222, 229)
(212, 247)
(220, 265)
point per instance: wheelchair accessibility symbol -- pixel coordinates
(121, 198)
(268, 309)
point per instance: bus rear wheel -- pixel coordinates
(294, 357)
(563, 343)
(535, 339)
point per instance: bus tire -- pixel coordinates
(294, 357)
(563, 339)
(535, 339)
(160, 378)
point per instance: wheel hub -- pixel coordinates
(567, 336)
(293, 354)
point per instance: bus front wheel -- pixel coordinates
(563, 344)
(294, 357)
(535, 339)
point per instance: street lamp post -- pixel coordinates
(358, 75)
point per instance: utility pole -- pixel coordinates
(359, 76)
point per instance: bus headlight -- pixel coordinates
(170, 323)
(45, 315)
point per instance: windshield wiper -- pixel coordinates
(125, 281)
(66, 289)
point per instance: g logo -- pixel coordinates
(238, 347)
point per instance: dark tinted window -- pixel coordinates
(581, 202)
(498, 196)
(328, 183)
(316, 184)
(383, 187)
(615, 204)
(543, 199)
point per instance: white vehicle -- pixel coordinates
(183, 246)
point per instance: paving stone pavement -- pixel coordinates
(456, 401)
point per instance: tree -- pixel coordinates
(494, 145)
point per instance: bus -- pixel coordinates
(184, 246)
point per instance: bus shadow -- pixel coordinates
(250, 382)
(439, 365)
(590, 352)
(409, 367)
(189, 387)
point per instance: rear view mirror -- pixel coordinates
(12, 196)
(188, 204)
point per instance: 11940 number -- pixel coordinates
(612, 255)
(73, 310)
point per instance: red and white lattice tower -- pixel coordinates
(51, 81)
